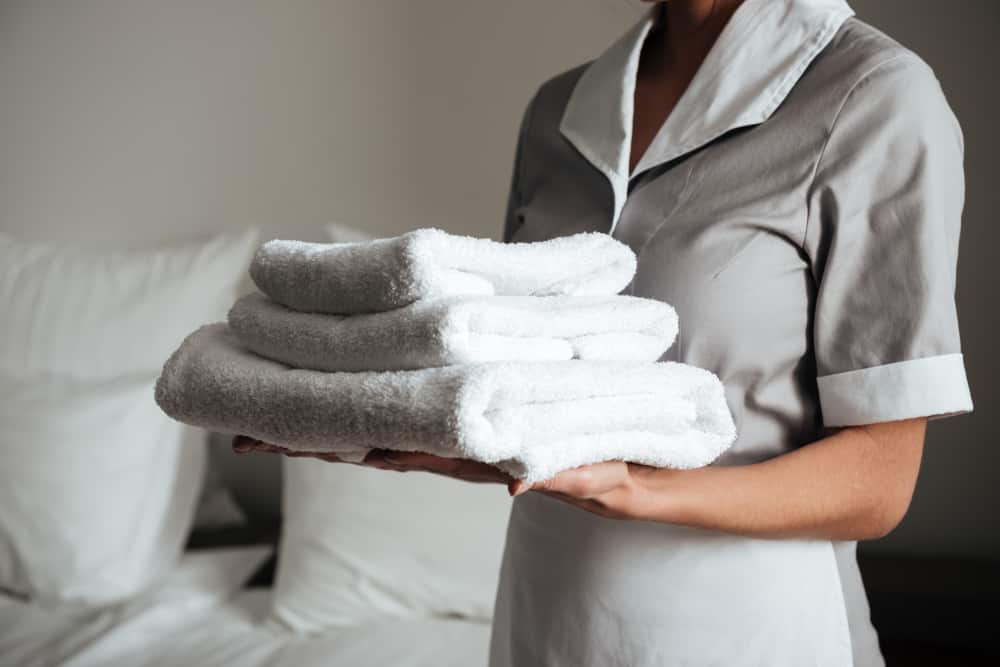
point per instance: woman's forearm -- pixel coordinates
(854, 484)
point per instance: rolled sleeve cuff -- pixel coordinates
(929, 387)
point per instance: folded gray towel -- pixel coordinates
(532, 419)
(456, 330)
(388, 273)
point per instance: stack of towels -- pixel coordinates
(520, 355)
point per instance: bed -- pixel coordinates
(202, 614)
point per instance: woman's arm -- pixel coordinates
(854, 484)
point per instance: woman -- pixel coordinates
(791, 181)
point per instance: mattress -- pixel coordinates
(200, 616)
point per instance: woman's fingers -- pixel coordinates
(376, 458)
(472, 471)
(243, 444)
(422, 460)
(516, 487)
(587, 481)
(601, 488)
(384, 459)
(604, 488)
(584, 482)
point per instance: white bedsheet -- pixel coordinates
(236, 634)
(196, 618)
(203, 580)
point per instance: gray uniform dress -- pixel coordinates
(800, 208)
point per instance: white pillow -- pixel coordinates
(98, 489)
(358, 544)
(97, 314)
(97, 486)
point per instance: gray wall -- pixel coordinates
(134, 122)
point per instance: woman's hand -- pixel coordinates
(613, 489)
(609, 489)
(853, 484)
(384, 459)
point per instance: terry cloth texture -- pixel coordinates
(458, 330)
(372, 276)
(531, 419)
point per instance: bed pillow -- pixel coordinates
(93, 314)
(97, 486)
(360, 544)
(98, 489)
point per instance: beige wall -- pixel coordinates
(148, 120)
(139, 121)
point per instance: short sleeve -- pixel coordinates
(514, 198)
(882, 236)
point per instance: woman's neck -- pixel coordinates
(684, 33)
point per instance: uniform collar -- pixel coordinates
(759, 55)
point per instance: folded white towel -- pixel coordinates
(532, 419)
(429, 263)
(458, 330)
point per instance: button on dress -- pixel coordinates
(800, 208)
